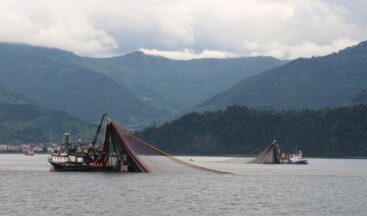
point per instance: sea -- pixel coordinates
(323, 187)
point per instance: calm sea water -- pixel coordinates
(324, 187)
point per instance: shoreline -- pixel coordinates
(226, 155)
(193, 155)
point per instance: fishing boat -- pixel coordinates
(29, 152)
(120, 151)
(79, 157)
(271, 154)
(295, 158)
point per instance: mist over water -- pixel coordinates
(324, 187)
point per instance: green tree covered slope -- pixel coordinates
(320, 82)
(337, 132)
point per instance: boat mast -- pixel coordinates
(97, 131)
(67, 139)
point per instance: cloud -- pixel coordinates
(301, 49)
(278, 28)
(187, 54)
(186, 29)
(53, 24)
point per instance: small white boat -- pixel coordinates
(29, 153)
(293, 158)
(297, 158)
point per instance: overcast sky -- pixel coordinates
(187, 29)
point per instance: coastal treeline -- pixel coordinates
(340, 132)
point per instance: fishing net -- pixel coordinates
(142, 156)
(268, 154)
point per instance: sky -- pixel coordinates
(187, 29)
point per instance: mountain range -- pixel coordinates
(177, 86)
(42, 76)
(314, 83)
(135, 89)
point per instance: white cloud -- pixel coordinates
(308, 49)
(187, 54)
(53, 24)
(180, 29)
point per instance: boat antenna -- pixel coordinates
(97, 131)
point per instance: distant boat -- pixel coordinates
(271, 154)
(29, 152)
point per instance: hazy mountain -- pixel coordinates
(319, 82)
(135, 89)
(10, 97)
(48, 77)
(22, 123)
(361, 98)
(339, 132)
(176, 86)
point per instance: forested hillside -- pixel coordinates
(10, 97)
(23, 123)
(177, 86)
(135, 89)
(320, 82)
(47, 77)
(361, 98)
(237, 130)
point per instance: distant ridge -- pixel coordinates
(22, 120)
(53, 79)
(319, 82)
(10, 97)
(135, 89)
(24, 123)
(177, 86)
(361, 98)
